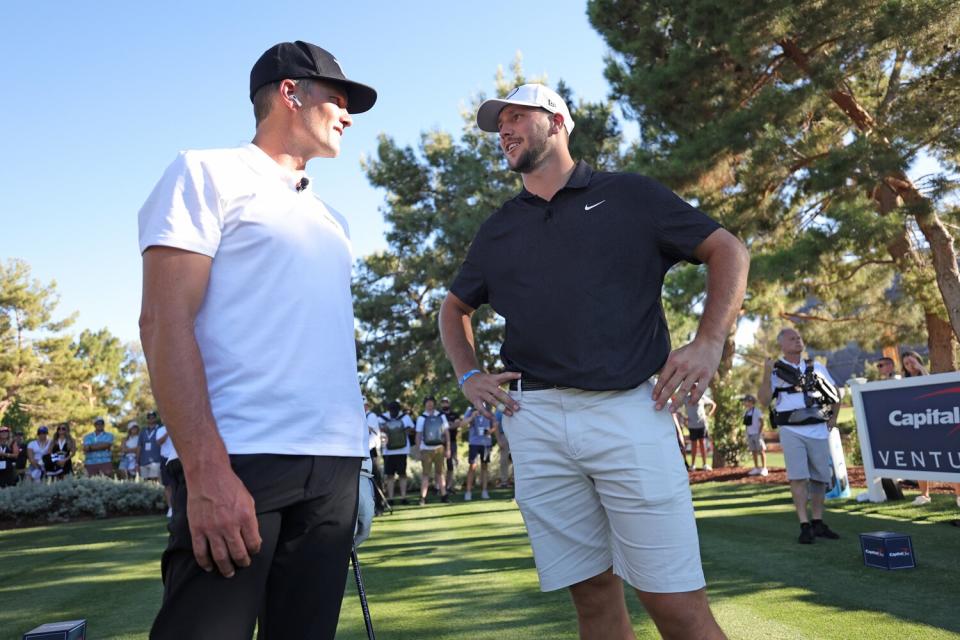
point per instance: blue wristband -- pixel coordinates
(467, 376)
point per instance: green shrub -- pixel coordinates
(79, 498)
(729, 441)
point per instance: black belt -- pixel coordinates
(529, 383)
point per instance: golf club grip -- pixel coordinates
(363, 594)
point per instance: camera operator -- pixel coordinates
(805, 407)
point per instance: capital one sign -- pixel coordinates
(909, 428)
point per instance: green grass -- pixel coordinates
(464, 571)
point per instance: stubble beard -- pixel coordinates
(532, 158)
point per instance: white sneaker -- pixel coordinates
(707, 467)
(764, 472)
(754, 472)
(169, 512)
(485, 495)
(468, 496)
(921, 500)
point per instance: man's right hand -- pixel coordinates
(484, 392)
(223, 520)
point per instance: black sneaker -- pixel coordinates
(444, 498)
(821, 530)
(806, 534)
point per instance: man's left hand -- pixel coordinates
(689, 369)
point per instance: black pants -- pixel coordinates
(307, 509)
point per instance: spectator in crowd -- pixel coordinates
(36, 452)
(698, 413)
(505, 476)
(167, 453)
(913, 366)
(453, 419)
(97, 447)
(887, 368)
(433, 441)
(373, 428)
(396, 427)
(22, 460)
(480, 441)
(804, 420)
(9, 452)
(149, 460)
(753, 421)
(58, 463)
(130, 452)
(673, 406)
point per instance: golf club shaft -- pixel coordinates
(363, 594)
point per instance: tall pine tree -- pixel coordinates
(795, 124)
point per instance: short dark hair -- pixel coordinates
(263, 98)
(885, 359)
(263, 101)
(429, 399)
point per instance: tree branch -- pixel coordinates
(802, 316)
(857, 268)
(893, 84)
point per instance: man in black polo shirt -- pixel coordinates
(575, 264)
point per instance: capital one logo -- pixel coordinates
(928, 417)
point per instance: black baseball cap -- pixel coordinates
(296, 60)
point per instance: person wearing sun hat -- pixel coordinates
(247, 327)
(575, 265)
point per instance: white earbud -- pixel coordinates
(295, 100)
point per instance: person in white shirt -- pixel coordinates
(248, 330)
(804, 425)
(753, 423)
(433, 441)
(396, 427)
(36, 449)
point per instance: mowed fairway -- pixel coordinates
(464, 571)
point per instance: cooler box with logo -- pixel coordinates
(69, 630)
(887, 550)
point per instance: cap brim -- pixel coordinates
(490, 110)
(360, 97)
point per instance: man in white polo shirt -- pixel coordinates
(247, 326)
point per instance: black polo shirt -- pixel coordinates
(578, 278)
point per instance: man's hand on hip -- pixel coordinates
(484, 392)
(223, 521)
(689, 369)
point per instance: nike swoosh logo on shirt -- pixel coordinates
(587, 207)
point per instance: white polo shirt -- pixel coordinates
(275, 330)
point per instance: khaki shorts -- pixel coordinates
(806, 458)
(432, 461)
(600, 484)
(150, 471)
(755, 443)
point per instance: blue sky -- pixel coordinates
(100, 96)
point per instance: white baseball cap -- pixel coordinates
(528, 95)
